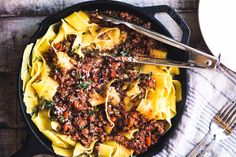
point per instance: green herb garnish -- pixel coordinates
(45, 104)
(124, 53)
(83, 85)
(61, 119)
(150, 75)
(35, 111)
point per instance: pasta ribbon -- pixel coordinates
(134, 90)
(89, 35)
(114, 149)
(160, 103)
(30, 96)
(64, 61)
(78, 20)
(46, 88)
(178, 90)
(130, 133)
(62, 151)
(79, 149)
(158, 54)
(25, 76)
(96, 99)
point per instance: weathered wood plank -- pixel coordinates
(10, 116)
(46, 7)
(178, 5)
(7, 101)
(15, 34)
(11, 140)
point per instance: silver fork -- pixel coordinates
(221, 126)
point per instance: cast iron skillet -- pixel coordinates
(36, 142)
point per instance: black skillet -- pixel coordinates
(36, 142)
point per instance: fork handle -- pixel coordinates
(201, 145)
(208, 149)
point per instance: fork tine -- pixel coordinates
(221, 112)
(229, 113)
(232, 120)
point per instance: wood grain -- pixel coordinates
(48, 7)
(10, 116)
(14, 36)
(11, 140)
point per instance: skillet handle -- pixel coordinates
(152, 10)
(31, 147)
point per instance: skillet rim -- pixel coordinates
(48, 21)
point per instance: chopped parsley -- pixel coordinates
(77, 75)
(83, 85)
(35, 111)
(61, 119)
(150, 75)
(124, 53)
(45, 104)
(55, 67)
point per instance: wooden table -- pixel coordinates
(18, 21)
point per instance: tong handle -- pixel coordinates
(196, 58)
(152, 61)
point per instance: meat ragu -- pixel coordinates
(95, 99)
(71, 102)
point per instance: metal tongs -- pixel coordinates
(196, 59)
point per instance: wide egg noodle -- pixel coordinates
(90, 35)
(130, 133)
(67, 139)
(78, 20)
(79, 149)
(105, 150)
(111, 125)
(160, 103)
(113, 149)
(133, 91)
(62, 151)
(96, 99)
(46, 87)
(30, 96)
(42, 121)
(155, 53)
(42, 45)
(25, 76)
(178, 90)
(110, 37)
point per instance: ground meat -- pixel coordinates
(72, 109)
(148, 135)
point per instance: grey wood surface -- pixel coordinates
(19, 19)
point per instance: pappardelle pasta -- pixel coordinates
(90, 105)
